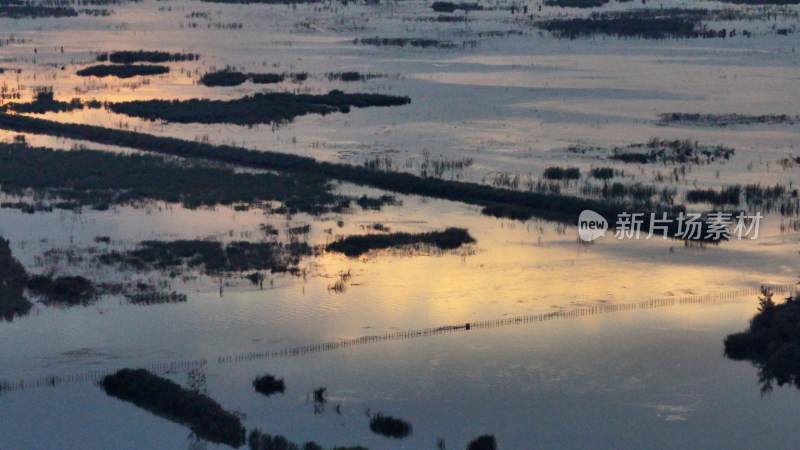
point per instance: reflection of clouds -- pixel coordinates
(672, 413)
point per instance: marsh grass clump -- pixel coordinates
(123, 70)
(167, 399)
(410, 42)
(727, 196)
(603, 173)
(274, 108)
(353, 246)
(672, 151)
(376, 203)
(352, 76)
(485, 442)
(389, 426)
(130, 57)
(772, 342)
(26, 10)
(13, 278)
(560, 173)
(70, 290)
(268, 385)
(223, 78)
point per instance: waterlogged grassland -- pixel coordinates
(98, 180)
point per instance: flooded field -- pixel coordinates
(373, 207)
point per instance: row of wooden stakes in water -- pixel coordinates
(180, 366)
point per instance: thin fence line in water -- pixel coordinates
(176, 366)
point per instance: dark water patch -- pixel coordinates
(274, 108)
(353, 246)
(167, 399)
(122, 70)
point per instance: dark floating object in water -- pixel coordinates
(268, 384)
(122, 70)
(772, 342)
(168, 399)
(485, 442)
(389, 426)
(449, 239)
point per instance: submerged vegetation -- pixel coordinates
(390, 426)
(275, 108)
(724, 120)
(772, 342)
(122, 70)
(13, 279)
(167, 399)
(449, 239)
(212, 256)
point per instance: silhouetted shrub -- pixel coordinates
(558, 173)
(129, 57)
(485, 442)
(268, 384)
(390, 426)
